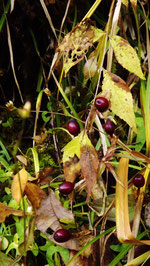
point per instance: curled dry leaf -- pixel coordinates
(6, 211)
(35, 194)
(18, 184)
(89, 166)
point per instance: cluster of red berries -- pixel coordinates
(102, 104)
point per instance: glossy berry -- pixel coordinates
(66, 188)
(101, 104)
(139, 180)
(61, 235)
(109, 127)
(73, 127)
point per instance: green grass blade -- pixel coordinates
(67, 100)
(4, 151)
(3, 17)
(35, 159)
(4, 163)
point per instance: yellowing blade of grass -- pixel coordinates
(122, 216)
(124, 233)
(140, 259)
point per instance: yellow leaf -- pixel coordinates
(18, 184)
(125, 2)
(121, 98)
(71, 158)
(126, 55)
(77, 42)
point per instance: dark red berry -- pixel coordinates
(66, 188)
(109, 127)
(61, 235)
(101, 104)
(73, 127)
(139, 180)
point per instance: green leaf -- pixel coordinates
(45, 117)
(140, 139)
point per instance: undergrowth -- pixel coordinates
(57, 58)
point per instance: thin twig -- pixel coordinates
(113, 31)
(48, 17)
(12, 59)
(63, 20)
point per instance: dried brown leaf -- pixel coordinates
(18, 184)
(40, 138)
(50, 212)
(89, 166)
(6, 211)
(35, 194)
(48, 216)
(45, 176)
